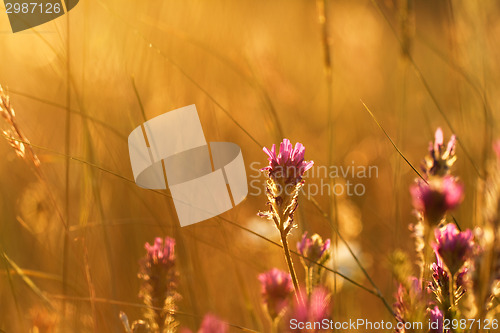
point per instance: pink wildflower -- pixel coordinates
(313, 248)
(161, 253)
(454, 247)
(277, 288)
(159, 283)
(437, 197)
(288, 164)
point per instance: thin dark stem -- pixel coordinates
(289, 262)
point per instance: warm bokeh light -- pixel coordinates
(73, 230)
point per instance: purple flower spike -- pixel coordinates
(284, 172)
(277, 288)
(212, 324)
(161, 252)
(159, 283)
(288, 164)
(437, 197)
(314, 249)
(454, 247)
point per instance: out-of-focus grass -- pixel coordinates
(256, 72)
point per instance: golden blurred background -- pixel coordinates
(256, 71)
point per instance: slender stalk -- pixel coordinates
(450, 311)
(309, 280)
(289, 262)
(328, 72)
(425, 274)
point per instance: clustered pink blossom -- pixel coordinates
(277, 288)
(288, 164)
(437, 197)
(454, 247)
(313, 248)
(159, 283)
(161, 252)
(285, 171)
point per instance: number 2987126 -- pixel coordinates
(33, 8)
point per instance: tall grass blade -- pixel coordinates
(393, 144)
(28, 282)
